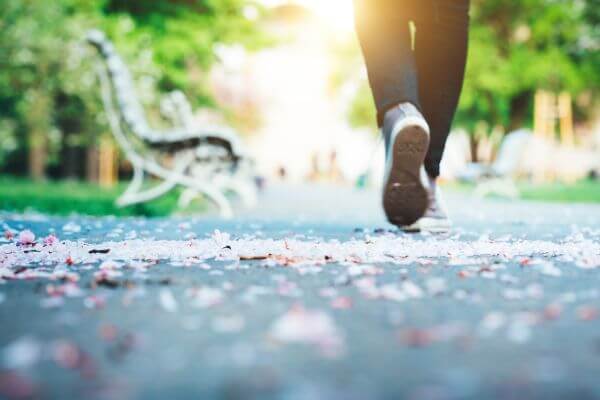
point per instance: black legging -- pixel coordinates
(430, 75)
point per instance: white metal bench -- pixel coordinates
(499, 177)
(205, 161)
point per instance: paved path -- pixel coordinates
(310, 296)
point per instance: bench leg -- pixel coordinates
(214, 195)
(134, 187)
(146, 195)
(186, 198)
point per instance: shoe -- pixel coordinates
(436, 218)
(405, 194)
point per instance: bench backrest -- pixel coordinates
(129, 106)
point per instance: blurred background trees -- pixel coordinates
(516, 48)
(51, 119)
(50, 113)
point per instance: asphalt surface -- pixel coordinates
(504, 307)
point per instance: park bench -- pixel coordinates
(207, 161)
(499, 177)
(507, 161)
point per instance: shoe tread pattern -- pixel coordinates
(405, 198)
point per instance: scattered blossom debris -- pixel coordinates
(167, 301)
(392, 273)
(316, 327)
(22, 353)
(400, 250)
(26, 238)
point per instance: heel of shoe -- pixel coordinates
(405, 197)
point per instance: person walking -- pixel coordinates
(415, 52)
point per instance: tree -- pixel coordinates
(182, 35)
(49, 103)
(38, 60)
(517, 47)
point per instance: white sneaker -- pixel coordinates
(436, 218)
(405, 190)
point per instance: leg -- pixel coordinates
(383, 31)
(441, 52)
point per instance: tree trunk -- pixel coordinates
(38, 123)
(107, 164)
(92, 167)
(519, 107)
(474, 142)
(37, 161)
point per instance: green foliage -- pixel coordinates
(48, 87)
(41, 65)
(517, 47)
(362, 108)
(182, 35)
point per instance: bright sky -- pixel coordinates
(339, 13)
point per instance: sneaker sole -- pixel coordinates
(405, 198)
(430, 225)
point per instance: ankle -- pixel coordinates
(405, 106)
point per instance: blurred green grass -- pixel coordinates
(584, 191)
(72, 197)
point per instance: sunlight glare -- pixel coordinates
(339, 14)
